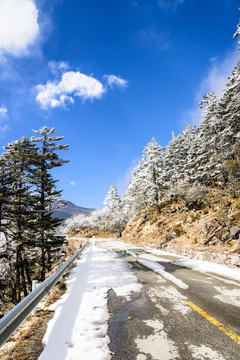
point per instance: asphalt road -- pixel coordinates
(179, 314)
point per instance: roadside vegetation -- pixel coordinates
(28, 241)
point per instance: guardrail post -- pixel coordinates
(35, 283)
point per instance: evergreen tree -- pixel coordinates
(179, 156)
(153, 168)
(229, 110)
(17, 220)
(237, 32)
(208, 165)
(135, 197)
(46, 195)
(112, 199)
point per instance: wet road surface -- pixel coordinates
(179, 313)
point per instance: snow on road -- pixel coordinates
(79, 327)
(161, 270)
(209, 267)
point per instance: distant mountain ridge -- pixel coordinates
(71, 209)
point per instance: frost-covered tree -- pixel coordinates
(112, 199)
(135, 197)
(207, 164)
(153, 168)
(229, 110)
(237, 31)
(178, 157)
(112, 217)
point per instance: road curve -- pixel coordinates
(179, 313)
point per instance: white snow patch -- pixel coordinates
(231, 297)
(156, 302)
(205, 353)
(161, 270)
(111, 244)
(152, 257)
(159, 346)
(131, 253)
(79, 327)
(209, 267)
(164, 253)
(173, 297)
(231, 282)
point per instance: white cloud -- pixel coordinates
(115, 80)
(215, 80)
(3, 115)
(167, 4)
(58, 94)
(3, 111)
(3, 129)
(151, 37)
(72, 84)
(72, 183)
(19, 26)
(57, 66)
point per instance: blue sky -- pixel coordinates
(109, 75)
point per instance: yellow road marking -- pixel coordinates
(215, 322)
(134, 262)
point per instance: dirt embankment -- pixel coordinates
(213, 226)
(89, 233)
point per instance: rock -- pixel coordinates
(225, 236)
(170, 236)
(214, 241)
(173, 209)
(234, 232)
(212, 232)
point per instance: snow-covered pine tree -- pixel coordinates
(208, 165)
(178, 162)
(146, 185)
(46, 194)
(229, 110)
(112, 199)
(135, 198)
(153, 168)
(237, 31)
(112, 214)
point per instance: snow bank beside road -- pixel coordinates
(209, 267)
(79, 327)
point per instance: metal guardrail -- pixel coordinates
(10, 322)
